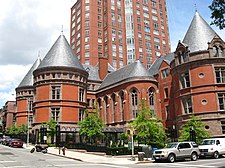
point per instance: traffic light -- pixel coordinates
(129, 131)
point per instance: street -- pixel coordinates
(22, 158)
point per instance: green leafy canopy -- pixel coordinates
(198, 126)
(149, 129)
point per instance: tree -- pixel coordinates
(149, 129)
(51, 125)
(198, 127)
(218, 13)
(13, 130)
(91, 126)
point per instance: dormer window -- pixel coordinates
(182, 56)
(214, 51)
(220, 52)
(217, 51)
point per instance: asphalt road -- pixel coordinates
(22, 158)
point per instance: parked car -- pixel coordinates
(6, 140)
(177, 150)
(16, 143)
(214, 147)
(1, 140)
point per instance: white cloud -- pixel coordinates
(26, 28)
(11, 76)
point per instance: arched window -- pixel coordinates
(215, 50)
(134, 103)
(151, 98)
(122, 101)
(99, 104)
(113, 107)
(220, 51)
(179, 57)
(106, 109)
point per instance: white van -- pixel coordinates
(214, 147)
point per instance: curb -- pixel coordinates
(66, 157)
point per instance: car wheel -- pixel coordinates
(171, 158)
(216, 155)
(157, 160)
(194, 156)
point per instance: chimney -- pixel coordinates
(103, 67)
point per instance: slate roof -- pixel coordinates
(93, 72)
(199, 34)
(28, 79)
(134, 70)
(154, 69)
(61, 55)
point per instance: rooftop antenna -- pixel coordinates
(196, 8)
(62, 30)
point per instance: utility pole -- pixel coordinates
(132, 144)
(28, 122)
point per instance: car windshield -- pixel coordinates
(208, 142)
(171, 145)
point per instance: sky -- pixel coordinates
(29, 28)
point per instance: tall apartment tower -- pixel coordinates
(121, 31)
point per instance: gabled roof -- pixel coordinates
(93, 72)
(154, 69)
(199, 34)
(61, 55)
(28, 79)
(134, 70)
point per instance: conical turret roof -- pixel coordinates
(28, 79)
(199, 34)
(61, 55)
(134, 70)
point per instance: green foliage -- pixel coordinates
(22, 129)
(149, 129)
(124, 136)
(218, 13)
(91, 127)
(199, 128)
(51, 125)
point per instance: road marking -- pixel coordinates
(179, 164)
(109, 165)
(7, 161)
(106, 165)
(16, 166)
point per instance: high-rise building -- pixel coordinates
(121, 31)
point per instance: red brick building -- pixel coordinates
(120, 31)
(8, 115)
(189, 81)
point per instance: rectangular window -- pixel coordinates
(223, 126)
(165, 73)
(187, 105)
(56, 91)
(55, 113)
(81, 114)
(220, 74)
(185, 80)
(87, 39)
(166, 93)
(81, 95)
(221, 99)
(167, 112)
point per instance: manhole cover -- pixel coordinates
(6, 153)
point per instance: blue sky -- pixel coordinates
(28, 27)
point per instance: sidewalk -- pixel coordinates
(92, 157)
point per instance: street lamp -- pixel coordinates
(28, 120)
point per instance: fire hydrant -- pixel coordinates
(63, 150)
